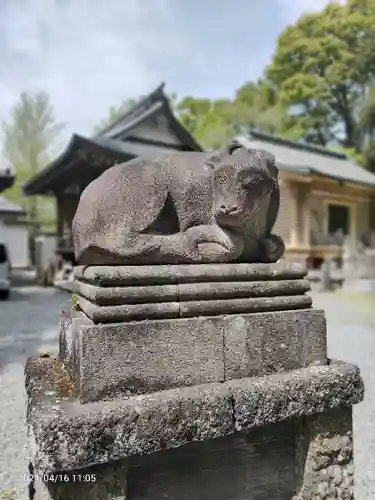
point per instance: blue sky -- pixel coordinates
(91, 54)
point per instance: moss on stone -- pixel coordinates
(75, 304)
(7, 495)
(65, 386)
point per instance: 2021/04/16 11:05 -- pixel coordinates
(62, 478)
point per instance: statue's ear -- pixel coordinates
(270, 161)
(218, 157)
(213, 161)
(265, 159)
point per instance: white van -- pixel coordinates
(4, 272)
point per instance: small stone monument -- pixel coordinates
(192, 364)
(370, 267)
(356, 268)
(326, 276)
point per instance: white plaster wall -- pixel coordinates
(45, 252)
(17, 241)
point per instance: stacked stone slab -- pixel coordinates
(213, 381)
(187, 369)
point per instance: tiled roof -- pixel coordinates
(145, 106)
(9, 207)
(153, 104)
(305, 158)
(147, 151)
(6, 177)
(109, 138)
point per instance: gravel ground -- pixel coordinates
(29, 322)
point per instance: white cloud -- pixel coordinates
(91, 54)
(87, 54)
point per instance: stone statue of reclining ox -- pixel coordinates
(188, 207)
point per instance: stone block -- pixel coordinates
(112, 276)
(279, 436)
(142, 357)
(254, 465)
(151, 294)
(128, 293)
(103, 482)
(168, 310)
(325, 455)
(275, 398)
(68, 435)
(266, 343)
(71, 324)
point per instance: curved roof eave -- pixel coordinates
(8, 207)
(75, 142)
(6, 181)
(299, 169)
(148, 99)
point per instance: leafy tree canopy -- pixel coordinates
(318, 87)
(214, 122)
(28, 137)
(321, 69)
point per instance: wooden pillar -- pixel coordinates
(372, 214)
(59, 214)
(294, 237)
(66, 208)
(305, 212)
(306, 223)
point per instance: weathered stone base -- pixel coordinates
(147, 356)
(142, 329)
(190, 383)
(325, 456)
(100, 482)
(272, 437)
(112, 294)
(310, 458)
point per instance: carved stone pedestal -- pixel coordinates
(192, 382)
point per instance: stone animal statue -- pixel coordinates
(188, 207)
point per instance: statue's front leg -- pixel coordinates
(272, 248)
(204, 243)
(216, 244)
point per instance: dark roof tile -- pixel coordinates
(306, 158)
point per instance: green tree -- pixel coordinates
(260, 106)
(210, 122)
(215, 122)
(28, 137)
(320, 70)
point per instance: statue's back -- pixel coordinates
(129, 198)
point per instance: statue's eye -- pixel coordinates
(248, 182)
(245, 176)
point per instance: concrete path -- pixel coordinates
(28, 322)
